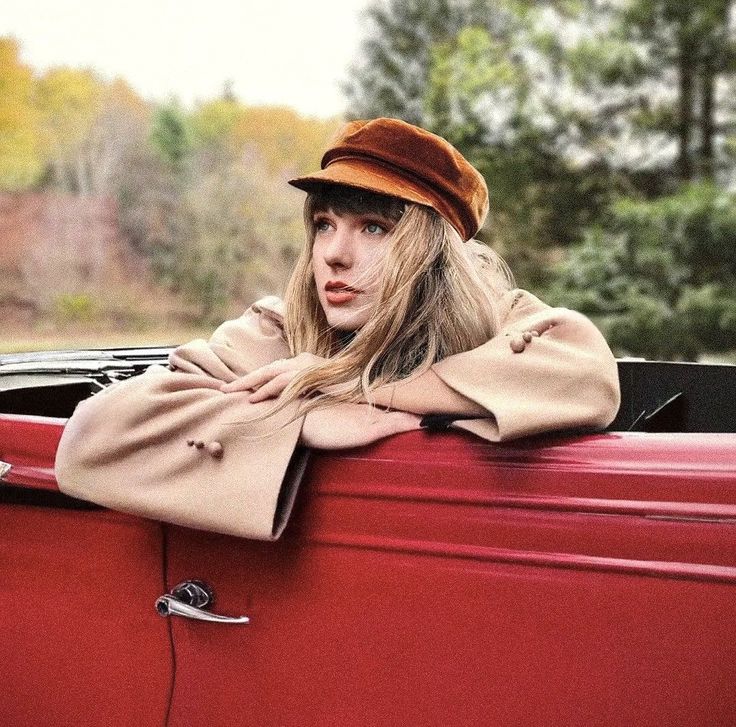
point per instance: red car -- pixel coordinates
(430, 579)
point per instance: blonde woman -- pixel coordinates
(394, 319)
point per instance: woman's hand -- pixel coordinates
(270, 380)
(343, 426)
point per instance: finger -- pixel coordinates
(236, 385)
(271, 389)
(254, 379)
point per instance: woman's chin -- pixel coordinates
(344, 319)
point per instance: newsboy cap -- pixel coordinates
(392, 157)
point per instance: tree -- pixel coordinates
(395, 59)
(213, 122)
(171, 135)
(68, 100)
(285, 140)
(209, 204)
(650, 104)
(484, 97)
(660, 277)
(648, 82)
(21, 159)
(695, 39)
(91, 128)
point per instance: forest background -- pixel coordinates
(606, 130)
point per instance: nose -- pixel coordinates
(338, 253)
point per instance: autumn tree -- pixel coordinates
(211, 206)
(21, 159)
(68, 100)
(286, 140)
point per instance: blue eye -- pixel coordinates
(321, 225)
(373, 228)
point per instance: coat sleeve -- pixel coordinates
(563, 377)
(133, 446)
(237, 347)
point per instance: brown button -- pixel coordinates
(527, 336)
(215, 449)
(517, 344)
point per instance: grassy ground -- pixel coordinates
(59, 340)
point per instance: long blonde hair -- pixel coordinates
(437, 297)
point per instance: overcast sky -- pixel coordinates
(286, 52)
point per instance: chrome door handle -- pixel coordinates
(189, 599)
(4, 468)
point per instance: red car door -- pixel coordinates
(80, 642)
(434, 579)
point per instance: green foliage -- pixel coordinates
(170, 134)
(75, 307)
(608, 61)
(396, 56)
(539, 199)
(661, 278)
(462, 71)
(697, 227)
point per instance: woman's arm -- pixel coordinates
(425, 394)
(169, 445)
(547, 369)
(237, 346)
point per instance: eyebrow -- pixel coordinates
(360, 215)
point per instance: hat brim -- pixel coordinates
(363, 174)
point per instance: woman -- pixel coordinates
(394, 318)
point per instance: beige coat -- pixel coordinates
(131, 447)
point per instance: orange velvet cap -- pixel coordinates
(392, 157)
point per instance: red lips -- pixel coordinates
(339, 293)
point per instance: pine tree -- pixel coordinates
(396, 56)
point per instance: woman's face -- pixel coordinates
(346, 257)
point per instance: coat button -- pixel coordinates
(527, 336)
(517, 344)
(215, 449)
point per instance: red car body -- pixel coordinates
(430, 579)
